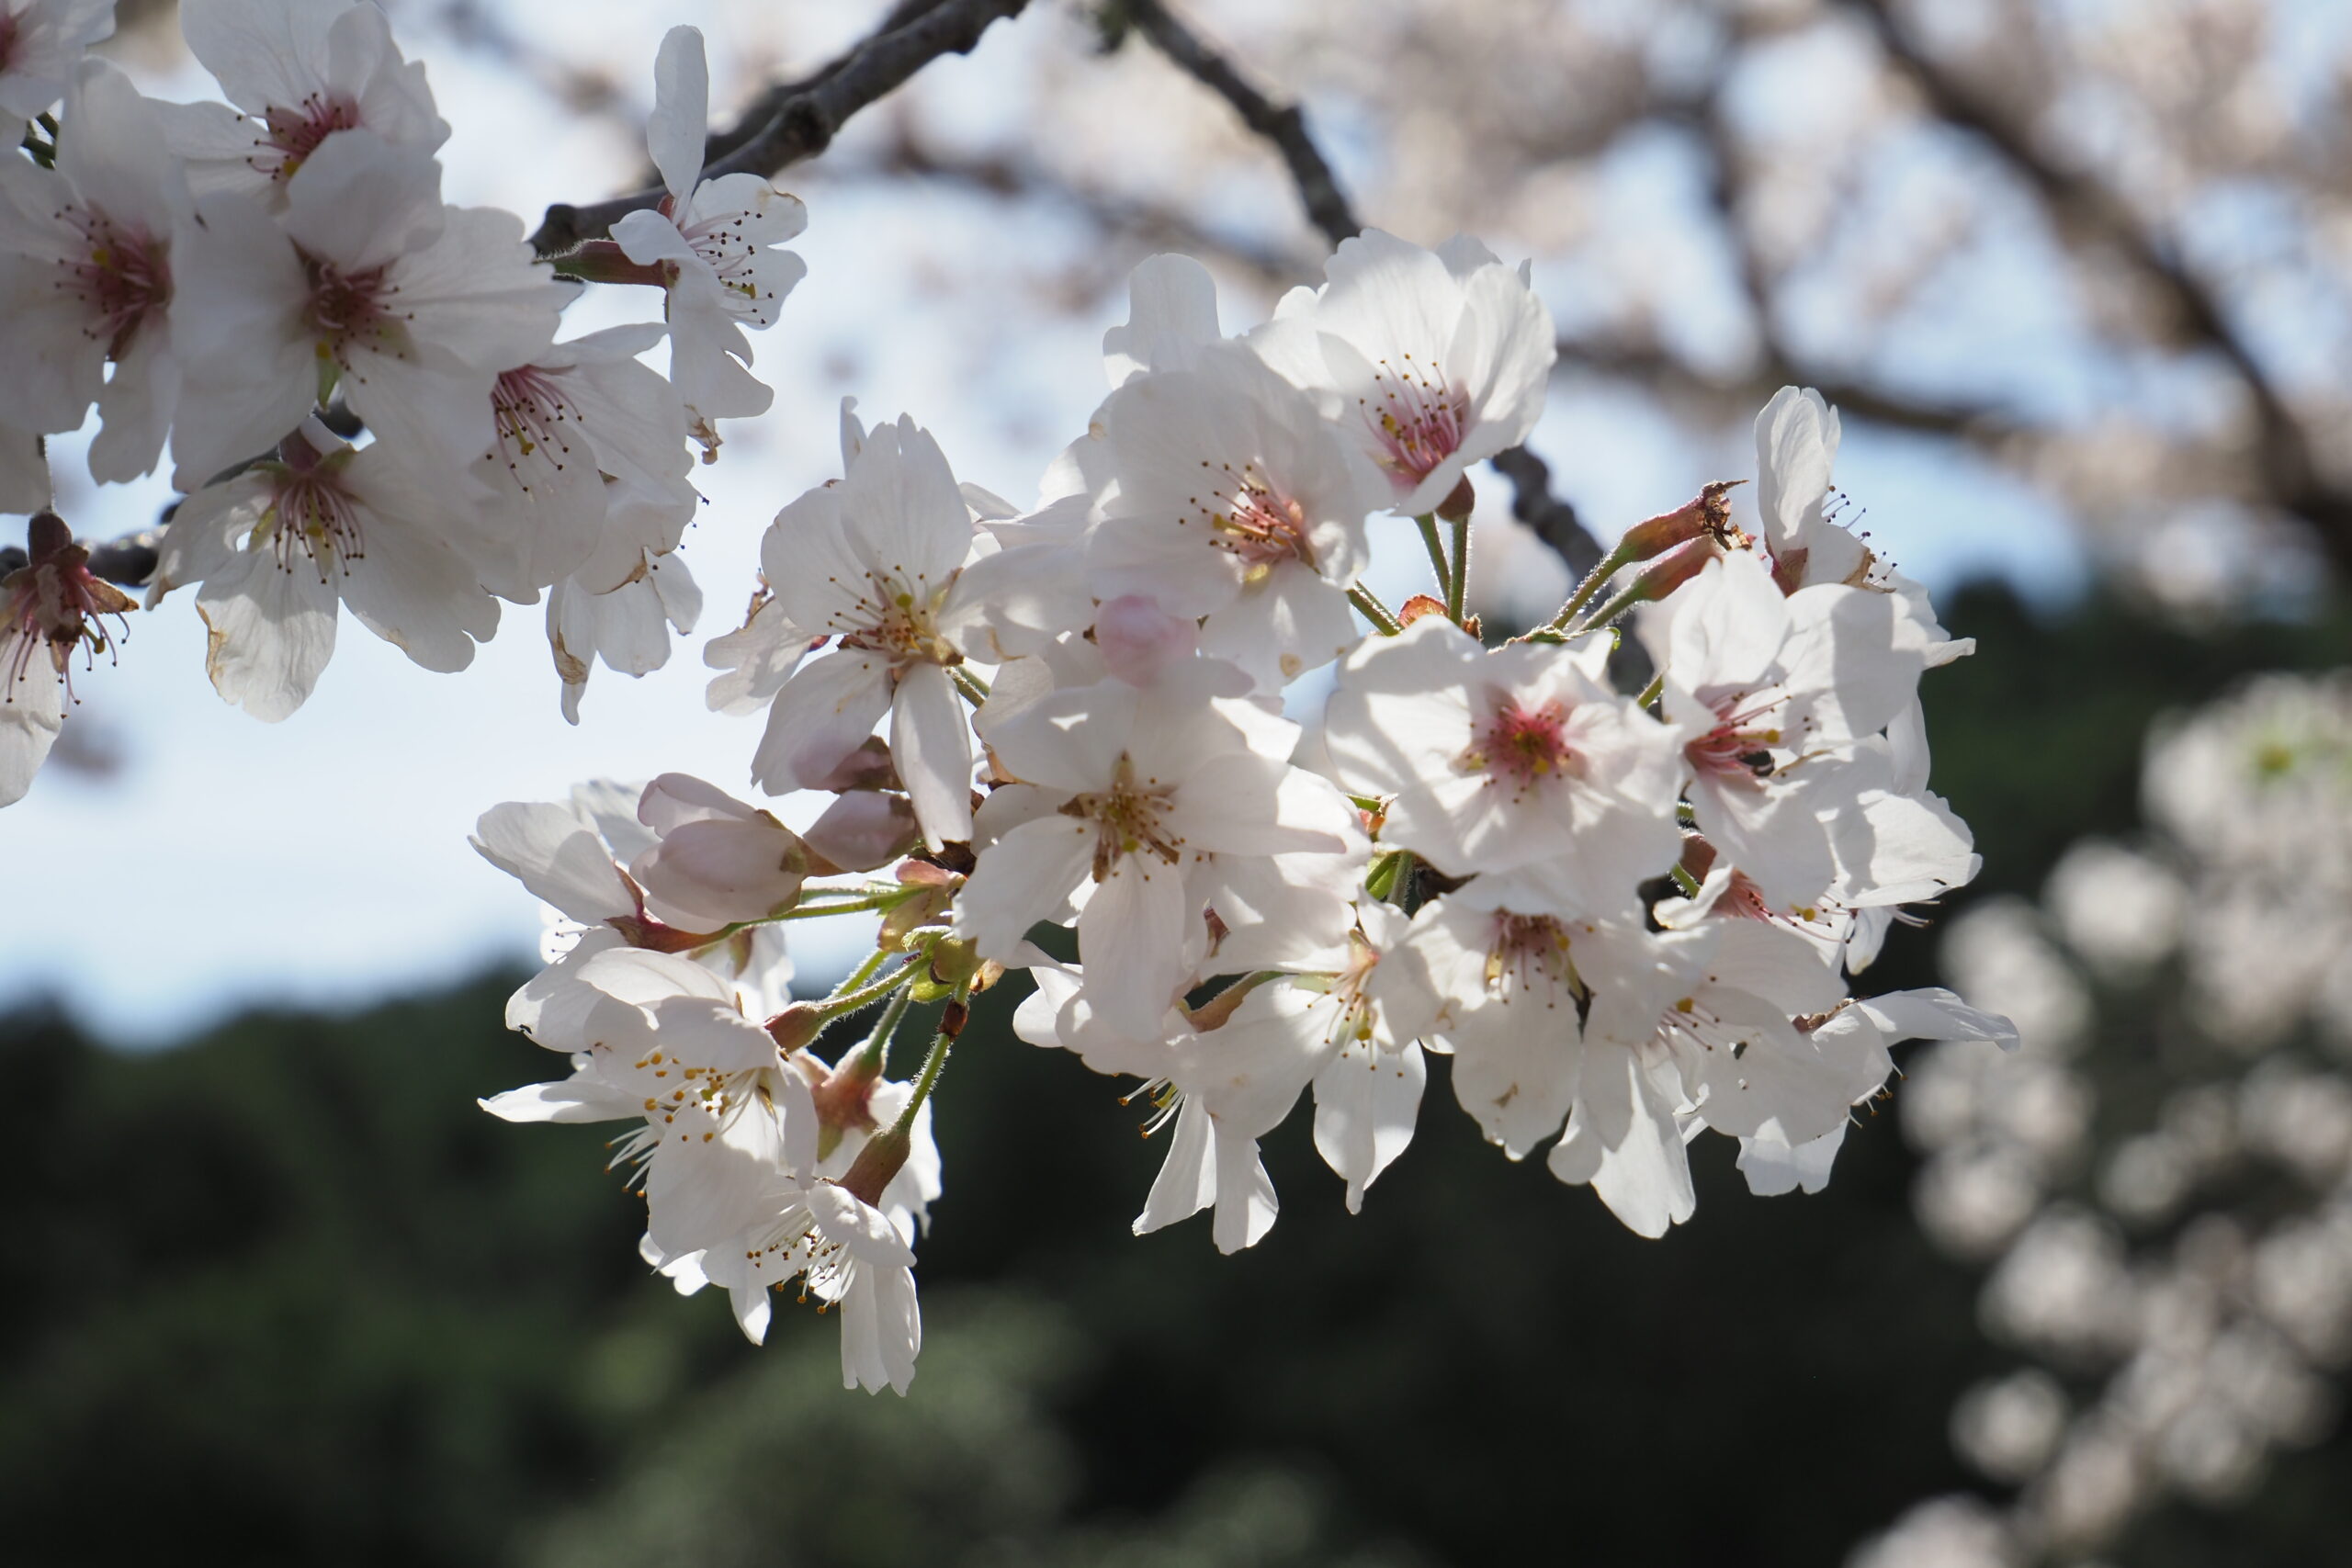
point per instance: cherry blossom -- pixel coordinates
(296, 72)
(41, 43)
(713, 242)
(1237, 498)
(1773, 692)
(1493, 759)
(626, 628)
(879, 561)
(369, 284)
(51, 609)
(86, 255)
(587, 472)
(278, 548)
(1128, 804)
(1442, 355)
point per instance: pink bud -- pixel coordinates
(1139, 639)
(709, 873)
(864, 828)
(672, 800)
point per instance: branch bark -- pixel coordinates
(1280, 125)
(802, 122)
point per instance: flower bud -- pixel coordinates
(1662, 576)
(864, 828)
(1708, 514)
(1419, 604)
(797, 1026)
(954, 960)
(719, 861)
(899, 925)
(1139, 639)
(1459, 501)
(882, 1157)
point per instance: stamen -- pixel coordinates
(1416, 417)
(1524, 744)
(1127, 815)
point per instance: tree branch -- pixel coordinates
(1554, 521)
(2079, 200)
(802, 122)
(1280, 125)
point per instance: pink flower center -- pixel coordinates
(532, 415)
(344, 308)
(318, 518)
(1416, 418)
(1126, 820)
(1529, 953)
(1739, 747)
(1526, 744)
(125, 280)
(291, 135)
(1263, 526)
(54, 601)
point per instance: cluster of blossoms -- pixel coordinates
(232, 284)
(1627, 917)
(2160, 1180)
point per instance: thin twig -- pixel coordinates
(1281, 125)
(803, 122)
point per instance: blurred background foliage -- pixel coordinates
(283, 1295)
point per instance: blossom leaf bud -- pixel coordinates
(1419, 604)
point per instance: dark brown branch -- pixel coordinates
(803, 122)
(1280, 125)
(1554, 521)
(2081, 202)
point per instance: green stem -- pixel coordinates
(975, 690)
(843, 1003)
(1384, 620)
(1686, 814)
(1684, 880)
(1426, 523)
(862, 974)
(1609, 567)
(891, 900)
(1457, 586)
(932, 1063)
(1608, 611)
(877, 1044)
(1650, 692)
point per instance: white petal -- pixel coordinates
(931, 741)
(681, 116)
